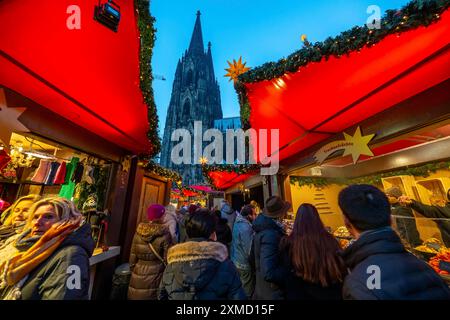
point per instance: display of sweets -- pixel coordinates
(342, 232)
(431, 245)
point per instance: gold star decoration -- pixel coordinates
(236, 69)
(9, 121)
(203, 160)
(126, 164)
(356, 146)
(359, 145)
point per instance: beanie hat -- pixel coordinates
(394, 192)
(90, 204)
(155, 212)
(192, 208)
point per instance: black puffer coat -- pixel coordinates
(146, 268)
(49, 280)
(200, 270)
(402, 275)
(269, 268)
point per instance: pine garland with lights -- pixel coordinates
(147, 38)
(186, 188)
(413, 15)
(375, 179)
(155, 168)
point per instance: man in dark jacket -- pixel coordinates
(380, 267)
(269, 269)
(434, 211)
(404, 218)
(241, 245)
(223, 231)
(200, 268)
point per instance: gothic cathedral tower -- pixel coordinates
(195, 97)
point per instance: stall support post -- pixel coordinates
(285, 184)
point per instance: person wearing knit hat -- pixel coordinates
(155, 212)
(148, 256)
(192, 208)
(403, 218)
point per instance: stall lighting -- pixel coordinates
(39, 155)
(108, 14)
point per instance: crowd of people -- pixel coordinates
(224, 254)
(197, 253)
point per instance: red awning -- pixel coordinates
(325, 98)
(89, 76)
(223, 179)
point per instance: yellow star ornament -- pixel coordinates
(236, 69)
(358, 145)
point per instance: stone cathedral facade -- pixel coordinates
(195, 97)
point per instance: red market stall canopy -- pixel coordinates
(90, 76)
(206, 189)
(222, 177)
(324, 98)
(186, 193)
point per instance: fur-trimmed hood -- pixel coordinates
(194, 264)
(150, 231)
(193, 250)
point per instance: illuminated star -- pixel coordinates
(236, 69)
(359, 145)
(203, 160)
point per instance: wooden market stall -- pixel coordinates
(365, 106)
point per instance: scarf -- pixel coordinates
(19, 266)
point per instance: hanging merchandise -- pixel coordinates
(42, 171)
(90, 205)
(84, 190)
(78, 173)
(60, 174)
(68, 188)
(4, 159)
(54, 166)
(88, 174)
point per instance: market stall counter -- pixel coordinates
(98, 257)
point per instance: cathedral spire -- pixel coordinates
(196, 45)
(210, 61)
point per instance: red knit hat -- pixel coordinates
(155, 212)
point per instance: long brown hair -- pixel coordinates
(313, 251)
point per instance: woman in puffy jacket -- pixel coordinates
(148, 255)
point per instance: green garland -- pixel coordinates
(148, 37)
(185, 188)
(421, 171)
(413, 15)
(155, 168)
(239, 169)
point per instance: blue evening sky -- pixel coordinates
(258, 30)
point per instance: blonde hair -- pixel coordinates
(64, 209)
(8, 215)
